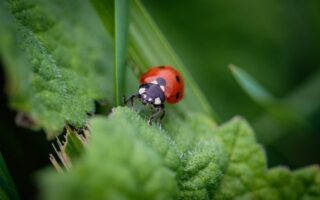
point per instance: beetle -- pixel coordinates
(158, 85)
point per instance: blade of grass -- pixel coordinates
(7, 188)
(282, 115)
(279, 110)
(148, 47)
(256, 91)
(121, 24)
(305, 99)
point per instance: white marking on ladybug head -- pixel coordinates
(150, 99)
(155, 82)
(142, 90)
(162, 88)
(157, 101)
(144, 96)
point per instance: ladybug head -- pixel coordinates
(153, 92)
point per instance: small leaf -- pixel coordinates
(7, 188)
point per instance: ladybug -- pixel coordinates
(159, 85)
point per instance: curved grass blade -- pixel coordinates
(256, 91)
(148, 47)
(281, 111)
(121, 24)
(306, 101)
(7, 188)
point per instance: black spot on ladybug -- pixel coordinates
(178, 79)
(177, 95)
(161, 81)
(161, 67)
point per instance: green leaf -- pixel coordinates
(203, 159)
(127, 159)
(148, 47)
(300, 184)
(122, 8)
(247, 177)
(57, 60)
(246, 166)
(7, 188)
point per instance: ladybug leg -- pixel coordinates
(130, 99)
(159, 110)
(163, 114)
(161, 117)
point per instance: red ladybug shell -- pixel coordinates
(174, 82)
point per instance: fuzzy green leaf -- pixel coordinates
(283, 184)
(122, 162)
(246, 161)
(247, 176)
(195, 159)
(203, 159)
(57, 60)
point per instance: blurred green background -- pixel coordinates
(277, 42)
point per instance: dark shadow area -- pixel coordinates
(25, 151)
